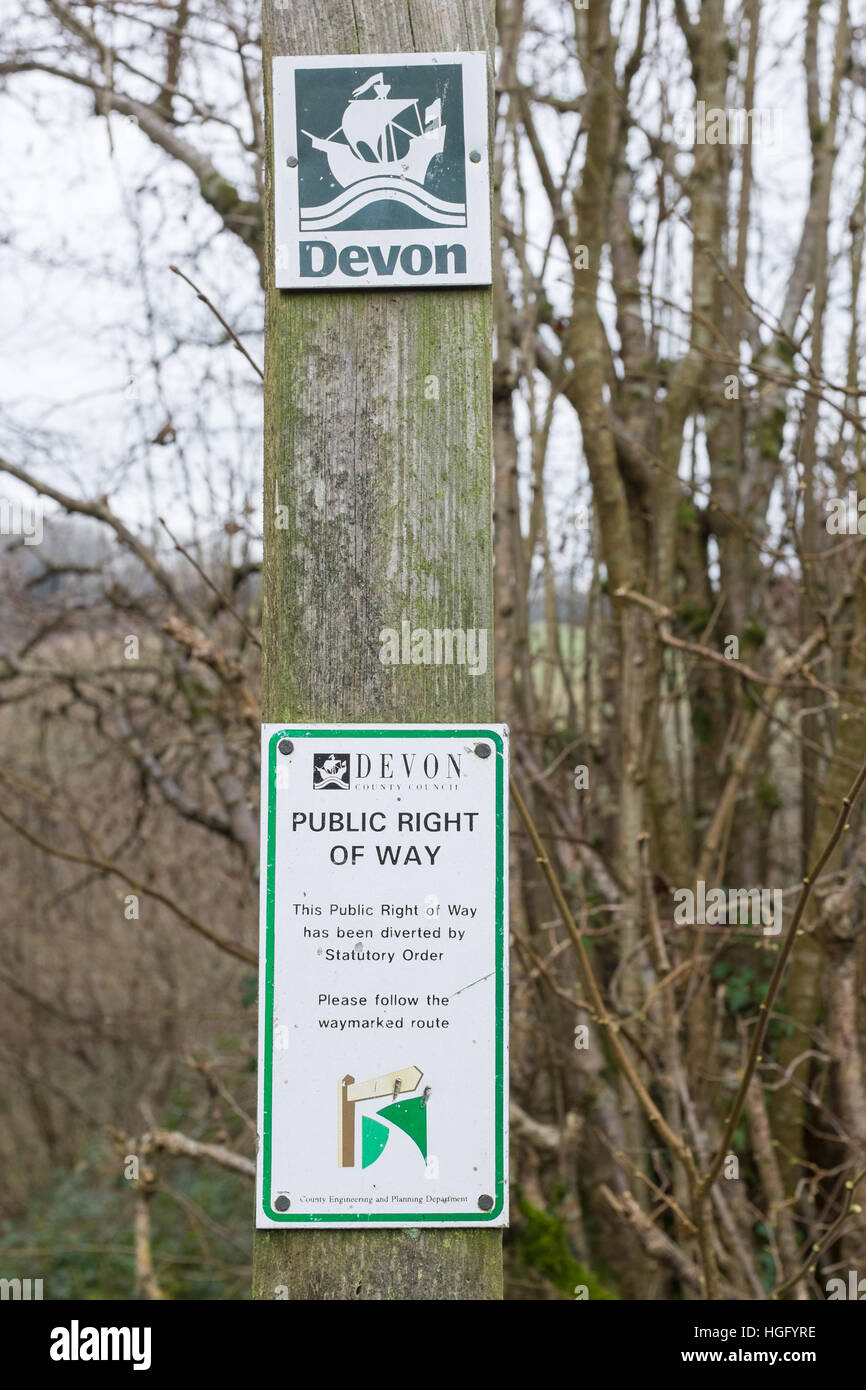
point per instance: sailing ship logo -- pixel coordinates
(382, 150)
(330, 770)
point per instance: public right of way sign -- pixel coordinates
(383, 1056)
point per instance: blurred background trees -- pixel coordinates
(679, 222)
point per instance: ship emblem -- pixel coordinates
(382, 149)
(330, 770)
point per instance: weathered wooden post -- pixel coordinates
(377, 512)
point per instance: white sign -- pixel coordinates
(383, 998)
(381, 173)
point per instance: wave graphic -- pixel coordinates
(360, 195)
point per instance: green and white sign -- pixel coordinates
(381, 171)
(383, 994)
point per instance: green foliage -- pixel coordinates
(693, 615)
(767, 1272)
(754, 636)
(741, 988)
(702, 722)
(72, 1240)
(748, 699)
(767, 794)
(745, 992)
(78, 1237)
(770, 434)
(543, 1246)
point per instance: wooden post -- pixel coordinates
(345, 1126)
(378, 443)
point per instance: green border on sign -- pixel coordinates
(362, 1218)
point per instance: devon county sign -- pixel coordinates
(381, 171)
(383, 988)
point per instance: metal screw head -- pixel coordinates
(475, 156)
(292, 161)
(482, 750)
(286, 746)
(485, 1202)
(282, 1204)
